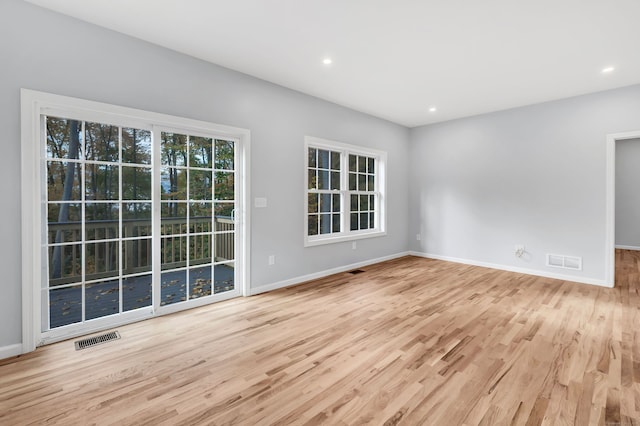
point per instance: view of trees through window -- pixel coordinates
(99, 209)
(341, 189)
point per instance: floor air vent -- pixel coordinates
(97, 340)
(356, 271)
(565, 262)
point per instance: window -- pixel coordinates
(344, 195)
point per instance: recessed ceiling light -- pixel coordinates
(433, 109)
(607, 70)
(327, 61)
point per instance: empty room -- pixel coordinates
(305, 212)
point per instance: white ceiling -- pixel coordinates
(396, 58)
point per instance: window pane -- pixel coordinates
(173, 149)
(335, 160)
(102, 221)
(101, 142)
(224, 155)
(312, 225)
(362, 164)
(352, 163)
(102, 299)
(200, 152)
(101, 259)
(200, 217)
(65, 264)
(353, 182)
(224, 185)
(200, 185)
(136, 256)
(174, 218)
(200, 282)
(63, 181)
(354, 203)
(372, 221)
(224, 247)
(64, 138)
(336, 203)
(224, 220)
(371, 166)
(64, 223)
(372, 202)
(173, 252)
(362, 182)
(312, 203)
(325, 223)
(173, 287)
(336, 223)
(371, 185)
(313, 153)
(224, 278)
(323, 179)
(364, 202)
(136, 219)
(65, 306)
(354, 221)
(200, 249)
(364, 220)
(313, 183)
(136, 183)
(136, 292)
(136, 146)
(325, 203)
(323, 159)
(173, 184)
(335, 180)
(102, 182)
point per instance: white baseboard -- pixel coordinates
(628, 247)
(583, 280)
(10, 351)
(321, 274)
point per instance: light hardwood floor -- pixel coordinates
(411, 341)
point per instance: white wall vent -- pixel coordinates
(566, 262)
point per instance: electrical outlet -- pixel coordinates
(272, 260)
(418, 237)
(354, 245)
(519, 250)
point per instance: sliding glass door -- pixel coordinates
(137, 220)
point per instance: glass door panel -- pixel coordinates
(198, 201)
(115, 195)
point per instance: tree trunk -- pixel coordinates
(63, 214)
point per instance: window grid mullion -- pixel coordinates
(83, 212)
(120, 223)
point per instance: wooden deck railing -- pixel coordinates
(102, 257)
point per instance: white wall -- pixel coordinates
(45, 51)
(628, 193)
(533, 175)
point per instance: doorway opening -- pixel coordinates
(127, 214)
(620, 198)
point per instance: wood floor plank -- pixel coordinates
(411, 341)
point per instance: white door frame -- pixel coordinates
(33, 105)
(610, 216)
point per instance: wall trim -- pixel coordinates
(11, 351)
(627, 247)
(314, 276)
(583, 280)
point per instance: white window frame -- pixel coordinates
(34, 105)
(346, 233)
